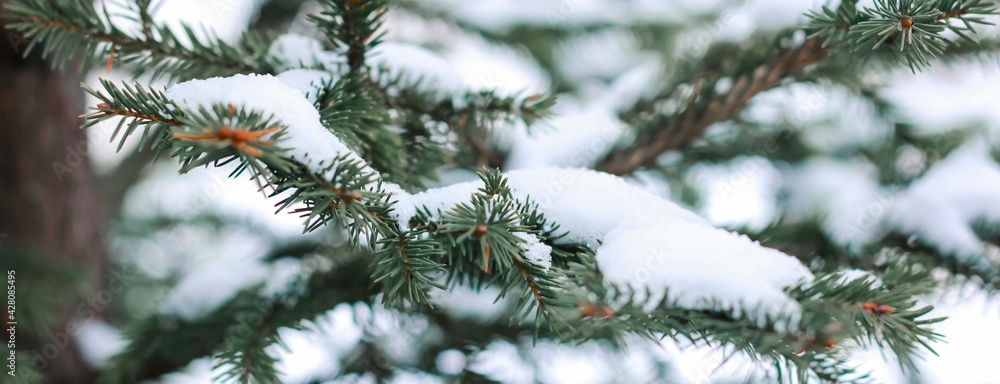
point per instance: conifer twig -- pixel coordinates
(707, 107)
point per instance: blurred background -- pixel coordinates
(812, 155)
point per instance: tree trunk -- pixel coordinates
(49, 200)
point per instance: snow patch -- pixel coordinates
(850, 275)
(282, 276)
(577, 137)
(589, 204)
(844, 196)
(700, 267)
(484, 66)
(951, 96)
(98, 342)
(404, 206)
(833, 119)
(600, 55)
(308, 81)
(308, 141)
(208, 287)
(645, 242)
(469, 303)
(635, 84)
(940, 207)
(296, 51)
(741, 192)
(535, 251)
(417, 66)
(436, 201)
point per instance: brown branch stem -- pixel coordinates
(531, 283)
(105, 108)
(680, 129)
(124, 43)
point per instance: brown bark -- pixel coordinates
(49, 200)
(679, 130)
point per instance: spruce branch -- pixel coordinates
(474, 117)
(811, 348)
(481, 240)
(134, 106)
(488, 225)
(353, 25)
(405, 264)
(482, 107)
(349, 107)
(204, 137)
(704, 106)
(885, 312)
(833, 312)
(76, 30)
(221, 134)
(836, 315)
(479, 243)
(163, 343)
(857, 32)
(909, 31)
(244, 354)
(983, 273)
(358, 109)
(228, 133)
(404, 267)
(481, 246)
(218, 136)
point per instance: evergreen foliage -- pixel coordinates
(405, 135)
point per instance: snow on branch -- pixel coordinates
(659, 252)
(418, 67)
(949, 210)
(910, 32)
(941, 208)
(642, 242)
(307, 140)
(291, 51)
(705, 105)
